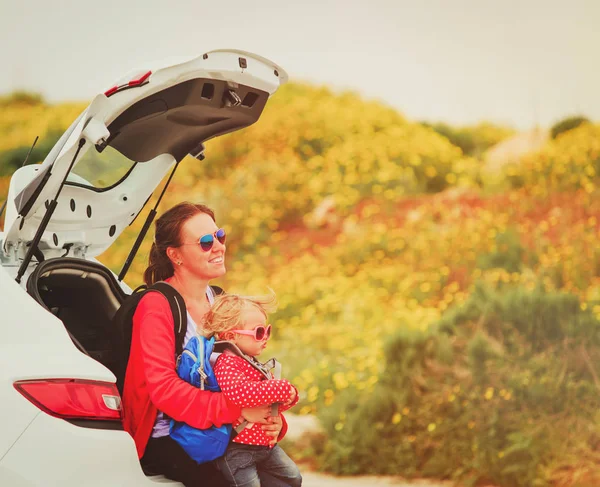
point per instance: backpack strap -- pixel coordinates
(178, 311)
(141, 287)
(217, 290)
(204, 342)
(223, 345)
(122, 323)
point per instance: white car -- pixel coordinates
(59, 405)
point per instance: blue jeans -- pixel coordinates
(242, 464)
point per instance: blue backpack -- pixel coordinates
(194, 367)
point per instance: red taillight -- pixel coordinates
(73, 398)
(141, 79)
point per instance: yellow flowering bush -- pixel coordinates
(312, 146)
(20, 124)
(491, 393)
(473, 140)
(571, 161)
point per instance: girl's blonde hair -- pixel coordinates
(226, 311)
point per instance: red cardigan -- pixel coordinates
(151, 383)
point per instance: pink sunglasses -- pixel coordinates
(259, 333)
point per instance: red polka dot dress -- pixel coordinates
(246, 387)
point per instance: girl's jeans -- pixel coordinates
(242, 464)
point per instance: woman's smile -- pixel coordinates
(217, 260)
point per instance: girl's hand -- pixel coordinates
(273, 428)
(292, 396)
(259, 414)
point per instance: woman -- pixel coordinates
(188, 251)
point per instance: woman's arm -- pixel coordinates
(244, 391)
(153, 327)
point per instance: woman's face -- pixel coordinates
(203, 264)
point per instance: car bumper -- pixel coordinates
(54, 452)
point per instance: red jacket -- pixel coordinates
(151, 383)
(247, 387)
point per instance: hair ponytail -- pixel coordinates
(159, 266)
(168, 234)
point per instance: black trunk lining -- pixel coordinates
(85, 297)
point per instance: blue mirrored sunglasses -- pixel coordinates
(207, 241)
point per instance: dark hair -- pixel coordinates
(168, 234)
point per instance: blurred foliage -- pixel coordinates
(567, 124)
(25, 116)
(359, 150)
(4, 182)
(507, 253)
(472, 140)
(569, 162)
(503, 389)
(12, 159)
(21, 98)
(434, 328)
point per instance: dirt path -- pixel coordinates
(300, 424)
(312, 479)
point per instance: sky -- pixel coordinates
(523, 63)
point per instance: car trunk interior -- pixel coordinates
(85, 297)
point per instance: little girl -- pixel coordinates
(242, 321)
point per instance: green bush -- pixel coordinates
(459, 138)
(21, 97)
(503, 389)
(12, 159)
(567, 124)
(473, 140)
(508, 253)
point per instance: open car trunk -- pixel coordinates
(85, 296)
(106, 165)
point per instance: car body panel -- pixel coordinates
(94, 457)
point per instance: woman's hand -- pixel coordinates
(273, 428)
(259, 414)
